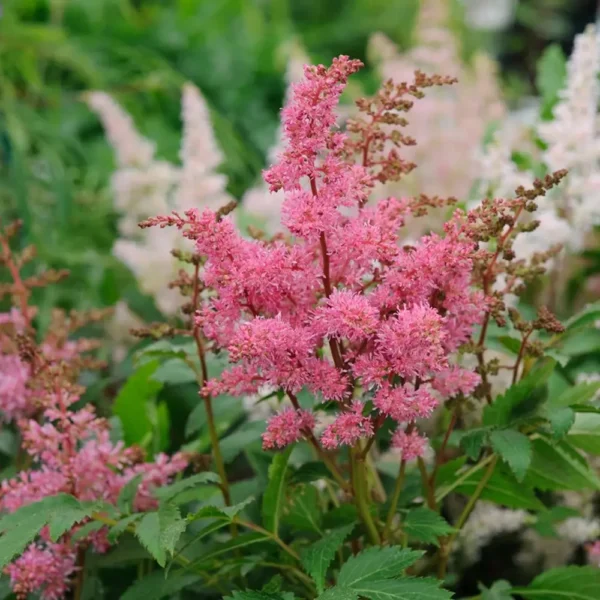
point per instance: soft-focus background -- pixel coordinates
(55, 162)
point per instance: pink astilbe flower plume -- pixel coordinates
(339, 307)
(412, 445)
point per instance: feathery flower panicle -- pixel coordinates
(410, 444)
(150, 186)
(341, 306)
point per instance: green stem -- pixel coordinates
(394, 502)
(431, 502)
(361, 498)
(443, 492)
(446, 545)
(271, 536)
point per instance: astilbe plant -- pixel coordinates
(65, 449)
(369, 342)
(370, 326)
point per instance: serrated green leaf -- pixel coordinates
(590, 314)
(148, 533)
(404, 589)
(122, 525)
(473, 441)
(561, 421)
(317, 558)
(376, 564)
(558, 467)
(425, 525)
(167, 493)
(521, 399)
(499, 591)
(581, 393)
(303, 512)
(502, 488)
(86, 530)
(63, 518)
(585, 432)
(338, 593)
(128, 493)
(563, 583)
(221, 512)
(130, 405)
(514, 448)
(546, 520)
(15, 540)
(171, 527)
(157, 586)
(273, 499)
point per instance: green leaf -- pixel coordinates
(514, 448)
(122, 525)
(227, 411)
(338, 592)
(504, 489)
(550, 77)
(499, 591)
(561, 421)
(309, 472)
(559, 466)
(259, 595)
(425, 525)
(473, 441)
(376, 563)
(174, 372)
(403, 589)
(148, 533)
(585, 432)
(234, 444)
(221, 512)
(564, 583)
(582, 393)
(521, 399)
(303, 512)
(590, 314)
(157, 585)
(64, 517)
(241, 541)
(130, 404)
(167, 493)
(14, 541)
(171, 527)
(544, 524)
(316, 558)
(128, 493)
(274, 494)
(87, 529)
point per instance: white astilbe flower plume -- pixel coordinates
(144, 186)
(131, 148)
(450, 121)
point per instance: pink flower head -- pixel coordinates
(348, 428)
(411, 445)
(412, 341)
(307, 121)
(347, 315)
(593, 551)
(287, 427)
(44, 570)
(16, 399)
(454, 380)
(404, 404)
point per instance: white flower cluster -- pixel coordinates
(449, 122)
(572, 138)
(144, 186)
(485, 522)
